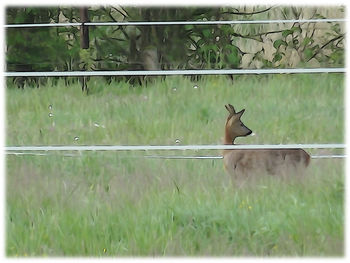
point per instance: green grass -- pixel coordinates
(121, 204)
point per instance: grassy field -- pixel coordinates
(122, 204)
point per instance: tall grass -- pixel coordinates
(122, 204)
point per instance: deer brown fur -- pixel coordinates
(269, 161)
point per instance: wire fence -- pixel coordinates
(174, 72)
(43, 150)
(167, 157)
(50, 150)
(168, 23)
(221, 157)
(172, 147)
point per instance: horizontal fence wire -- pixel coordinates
(174, 72)
(43, 25)
(171, 147)
(178, 157)
(167, 23)
(42, 154)
(229, 22)
(328, 156)
(221, 157)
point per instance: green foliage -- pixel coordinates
(287, 32)
(39, 49)
(277, 57)
(168, 47)
(278, 43)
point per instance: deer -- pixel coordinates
(241, 163)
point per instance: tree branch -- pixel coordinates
(120, 12)
(111, 38)
(126, 12)
(110, 15)
(247, 36)
(247, 13)
(330, 41)
(257, 37)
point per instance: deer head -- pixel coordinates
(234, 126)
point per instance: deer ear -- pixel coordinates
(232, 108)
(239, 114)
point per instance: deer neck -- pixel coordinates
(229, 139)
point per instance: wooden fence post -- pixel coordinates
(84, 41)
(84, 30)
